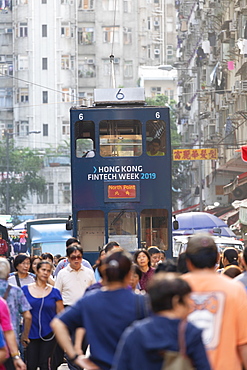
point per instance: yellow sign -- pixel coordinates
(194, 154)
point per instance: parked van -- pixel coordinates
(222, 242)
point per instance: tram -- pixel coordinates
(121, 172)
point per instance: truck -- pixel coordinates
(47, 235)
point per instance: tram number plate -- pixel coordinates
(121, 191)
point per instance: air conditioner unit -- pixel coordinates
(116, 60)
(8, 30)
(233, 25)
(156, 23)
(156, 51)
(2, 58)
(90, 61)
(244, 85)
(237, 85)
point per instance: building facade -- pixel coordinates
(55, 53)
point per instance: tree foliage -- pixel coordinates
(23, 179)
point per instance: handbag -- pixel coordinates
(178, 360)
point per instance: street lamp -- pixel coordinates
(8, 135)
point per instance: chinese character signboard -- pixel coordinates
(194, 154)
(121, 191)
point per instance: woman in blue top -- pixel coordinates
(46, 302)
(104, 314)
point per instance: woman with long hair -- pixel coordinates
(103, 314)
(46, 302)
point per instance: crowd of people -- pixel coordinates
(126, 311)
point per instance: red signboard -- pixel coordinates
(121, 191)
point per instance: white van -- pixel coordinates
(222, 242)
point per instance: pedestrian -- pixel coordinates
(243, 277)
(22, 276)
(144, 344)
(143, 260)
(64, 262)
(46, 302)
(104, 314)
(19, 307)
(3, 246)
(154, 253)
(219, 306)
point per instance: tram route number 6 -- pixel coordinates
(81, 116)
(157, 115)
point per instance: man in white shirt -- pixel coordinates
(74, 279)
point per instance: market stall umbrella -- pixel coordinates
(194, 222)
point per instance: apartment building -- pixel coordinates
(212, 82)
(53, 53)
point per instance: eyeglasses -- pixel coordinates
(73, 258)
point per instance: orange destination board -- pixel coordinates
(121, 191)
(194, 154)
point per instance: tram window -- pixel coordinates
(154, 228)
(120, 138)
(91, 229)
(156, 138)
(122, 227)
(85, 139)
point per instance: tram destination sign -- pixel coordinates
(127, 191)
(195, 154)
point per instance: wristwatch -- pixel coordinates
(16, 357)
(74, 358)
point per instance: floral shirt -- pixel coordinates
(17, 304)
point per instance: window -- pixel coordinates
(45, 129)
(86, 4)
(22, 30)
(86, 68)
(127, 6)
(127, 35)
(107, 66)
(22, 62)
(44, 63)
(64, 193)
(86, 35)
(169, 51)
(23, 128)
(65, 128)
(6, 69)
(110, 33)
(110, 5)
(66, 95)
(22, 95)
(47, 197)
(65, 62)
(122, 228)
(44, 30)
(155, 91)
(154, 228)
(65, 30)
(128, 69)
(91, 229)
(43, 1)
(45, 97)
(6, 98)
(149, 23)
(156, 138)
(20, 2)
(120, 138)
(85, 138)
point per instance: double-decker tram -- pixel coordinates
(121, 172)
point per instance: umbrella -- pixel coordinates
(194, 222)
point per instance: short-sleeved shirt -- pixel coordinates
(25, 281)
(219, 307)
(43, 311)
(17, 304)
(105, 315)
(5, 320)
(72, 284)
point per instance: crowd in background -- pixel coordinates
(125, 311)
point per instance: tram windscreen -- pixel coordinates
(156, 138)
(154, 228)
(91, 229)
(122, 227)
(120, 138)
